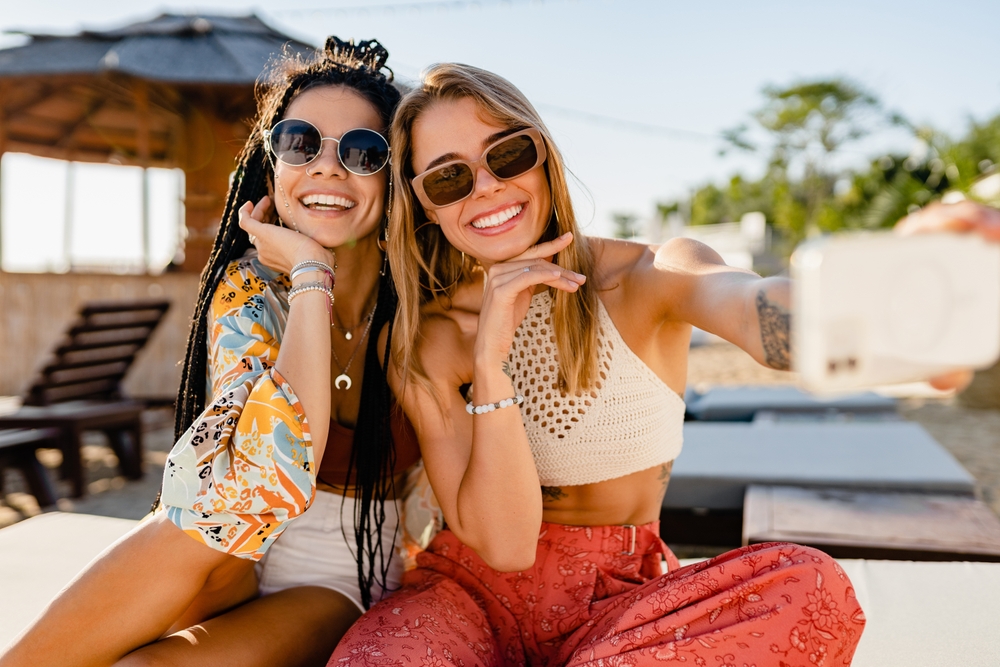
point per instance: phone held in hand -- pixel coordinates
(876, 308)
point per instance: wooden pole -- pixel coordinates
(142, 146)
(3, 149)
(68, 214)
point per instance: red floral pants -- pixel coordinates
(587, 601)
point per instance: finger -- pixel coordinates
(546, 248)
(530, 277)
(961, 217)
(954, 381)
(502, 273)
(260, 210)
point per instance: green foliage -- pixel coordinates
(626, 225)
(799, 129)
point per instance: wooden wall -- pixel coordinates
(35, 310)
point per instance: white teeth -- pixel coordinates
(498, 218)
(327, 201)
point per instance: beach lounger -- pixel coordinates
(869, 524)
(704, 500)
(17, 450)
(926, 614)
(742, 404)
(80, 388)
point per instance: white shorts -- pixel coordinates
(313, 551)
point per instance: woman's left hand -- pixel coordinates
(963, 217)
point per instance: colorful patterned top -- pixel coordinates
(245, 466)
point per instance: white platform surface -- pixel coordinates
(919, 614)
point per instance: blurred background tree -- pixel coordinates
(803, 131)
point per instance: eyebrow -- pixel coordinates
(493, 138)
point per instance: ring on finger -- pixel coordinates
(253, 239)
(526, 269)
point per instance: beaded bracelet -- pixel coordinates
(490, 407)
(313, 287)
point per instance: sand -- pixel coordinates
(971, 435)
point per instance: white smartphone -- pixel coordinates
(874, 308)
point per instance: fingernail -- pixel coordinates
(566, 235)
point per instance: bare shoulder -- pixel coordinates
(686, 255)
(618, 261)
(447, 336)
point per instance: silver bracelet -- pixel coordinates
(315, 264)
(490, 407)
(310, 287)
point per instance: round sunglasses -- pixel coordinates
(451, 182)
(298, 142)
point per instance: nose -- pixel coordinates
(327, 163)
(486, 183)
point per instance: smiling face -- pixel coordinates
(501, 219)
(322, 199)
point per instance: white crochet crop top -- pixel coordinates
(629, 421)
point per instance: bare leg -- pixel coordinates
(296, 627)
(131, 595)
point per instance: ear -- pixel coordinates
(432, 217)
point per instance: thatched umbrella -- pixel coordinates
(174, 91)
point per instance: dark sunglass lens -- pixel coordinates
(512, 157)
(448, 184)
(295, 142)
(363, 151)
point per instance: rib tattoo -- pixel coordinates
(552, 493)
(775, 323)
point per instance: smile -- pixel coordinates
(498, 218)
(327, 203)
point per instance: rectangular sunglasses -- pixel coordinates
(508, 158)
(298, 142)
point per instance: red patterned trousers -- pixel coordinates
(587, 601)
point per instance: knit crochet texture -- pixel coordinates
(628, 421)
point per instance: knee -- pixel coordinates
(814, 568)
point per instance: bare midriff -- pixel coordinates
(633, 499)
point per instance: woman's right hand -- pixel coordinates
(278, 247)
(508, 291)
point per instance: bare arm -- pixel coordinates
(696, 286)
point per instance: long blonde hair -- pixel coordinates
(426, 266)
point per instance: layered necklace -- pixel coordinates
(344, 377)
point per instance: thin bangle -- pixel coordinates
(322, 266)
(490, 407)
(302, 270)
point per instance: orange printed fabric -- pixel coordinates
(245, 466)
(588, 602)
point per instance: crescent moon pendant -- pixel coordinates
(342, 378)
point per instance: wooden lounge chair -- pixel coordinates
(80, 389)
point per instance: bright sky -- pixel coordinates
(661, 65)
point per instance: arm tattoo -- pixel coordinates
(506, 370)
(552, 493)
(774, 328)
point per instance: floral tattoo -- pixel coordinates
(775, 323)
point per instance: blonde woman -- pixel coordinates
(542, 371)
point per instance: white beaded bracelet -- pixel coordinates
(490, 407)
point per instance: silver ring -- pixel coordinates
(253, 239)
(526, 269)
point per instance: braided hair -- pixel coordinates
(373, 456)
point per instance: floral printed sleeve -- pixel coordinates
(245, 466)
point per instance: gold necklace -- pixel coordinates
(344, 377)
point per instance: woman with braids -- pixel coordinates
(542, 372)
(295, 419)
